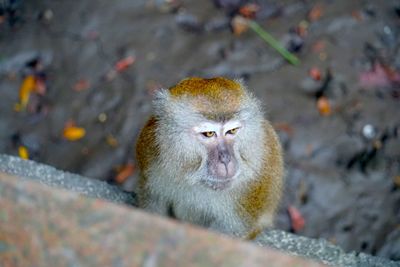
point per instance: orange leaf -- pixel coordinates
(297, 220)
(124, 173)
(73, 133)
(239, 25)
(315, 73)
(23, 152)
(315, 13)
(27, 86)
(249, 10)
(324, 106)
(124, 63)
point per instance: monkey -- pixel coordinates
(208, 156)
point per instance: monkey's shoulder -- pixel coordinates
(146, 145)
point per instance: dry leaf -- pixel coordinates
(297, 220)
(124, 172)
(249, 10)
(239, 25)
(315, 13)
(27, 86)
(124, 63)
(284, 127)
(324, 106)
(111, 141)
(315, 74)
(319, 46)
(23, 152)
(40, 86)
(379, 76)
(396, 180)
(81, 85)
(73, 133)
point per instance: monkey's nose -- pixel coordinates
(224, 157)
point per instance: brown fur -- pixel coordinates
(219, 95)
(146, 152)
(261, 196)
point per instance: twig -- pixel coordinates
(274, 43)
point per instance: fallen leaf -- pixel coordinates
(319, 46)
(40, 86)
(315, 13)
(81, 85)
(396, 180)
(379, 76)
(315, 73)
(27, 86)
(357, 15)
(124, 172)
(239, 25)
(302, 28)
(249, 10)
(324, 106)
(285, 127)
(111, 141)
(124, 63)
(73, 133)
(23, 152)
(297, 220)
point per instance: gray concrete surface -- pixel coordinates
(50, 176)
(320, 250)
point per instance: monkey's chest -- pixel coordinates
(200, 208)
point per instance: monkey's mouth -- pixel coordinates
(217, 184)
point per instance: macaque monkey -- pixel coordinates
(208, 156)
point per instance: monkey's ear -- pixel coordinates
(161, 99)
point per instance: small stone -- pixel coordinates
(369, 131)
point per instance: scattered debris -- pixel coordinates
(111, 141)
(23, 152)
(72, 132)
(316, 13)
(297, 220)
(82, 85)
(379, 76)
(120, 66)
(123, 172)
(274, 43)
(324, 106)
(315, 73)
(239, 25)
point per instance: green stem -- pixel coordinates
(274, 43)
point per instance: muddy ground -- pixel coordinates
(342, 159)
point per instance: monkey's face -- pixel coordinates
(221, 162)
(216, 141)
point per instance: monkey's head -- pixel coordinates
(210, 131)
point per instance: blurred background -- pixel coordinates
(77, 78)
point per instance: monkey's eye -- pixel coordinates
(208, 134)
(233, 131)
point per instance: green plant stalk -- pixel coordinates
(274, 43)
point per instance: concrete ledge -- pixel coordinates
(50, 227)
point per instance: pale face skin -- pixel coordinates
(219, 138)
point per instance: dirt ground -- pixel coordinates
(96, 63)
